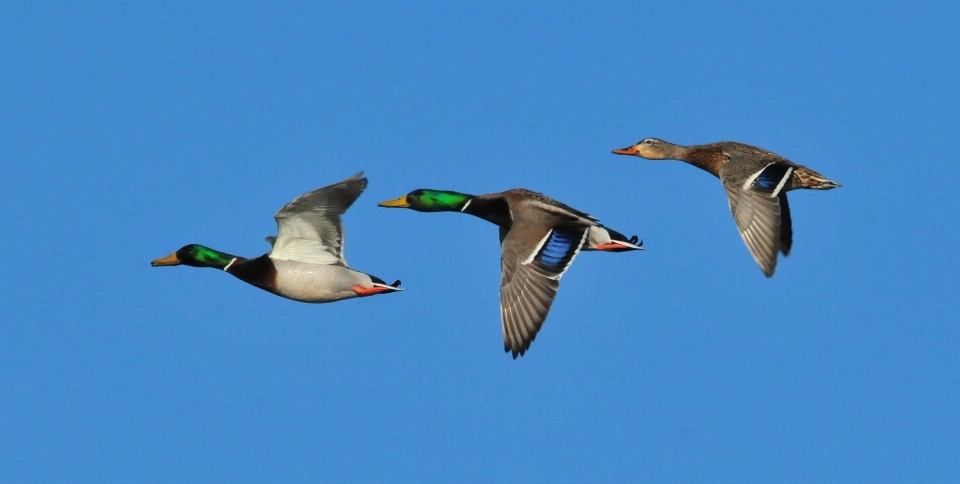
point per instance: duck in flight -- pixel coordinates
(756, 182)
(306, 262)
(539, 239)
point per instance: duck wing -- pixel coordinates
(309, 228)
(526, 202)
(534, 257)
(786, 225)
(755, 190)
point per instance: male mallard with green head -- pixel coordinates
(756, 181)
(539, 239)
(306, 263)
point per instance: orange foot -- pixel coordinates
(620, 246)
(370, 291)
(610, 246)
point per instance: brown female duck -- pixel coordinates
(756, 181)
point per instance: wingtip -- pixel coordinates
(359, 177)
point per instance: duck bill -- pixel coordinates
(629, 150)
(397, 203)
(170, 260)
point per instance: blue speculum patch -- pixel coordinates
(559, 248)
(771, 177)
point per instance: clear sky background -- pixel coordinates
(128, 130)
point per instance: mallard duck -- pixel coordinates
(756, 181)
(306, 262)
(539, 237)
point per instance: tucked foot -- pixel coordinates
(376, 289)
(621, 245)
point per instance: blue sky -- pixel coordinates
(130, 129)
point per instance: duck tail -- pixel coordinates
(609, 240)
(807, 178)
(388, 287)
(377, 282)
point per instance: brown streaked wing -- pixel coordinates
(526, 294)
(758, 219)
(528, 286)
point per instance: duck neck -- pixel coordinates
(702, 157)
(493, 210)
(259, 271)
(200, 256)
(671, 151)
(444, 201)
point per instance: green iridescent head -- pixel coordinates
(197, 256)
(426, 200)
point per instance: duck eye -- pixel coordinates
(417, 193)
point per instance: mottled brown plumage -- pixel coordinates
(756, 182)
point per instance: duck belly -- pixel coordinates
(317, 283)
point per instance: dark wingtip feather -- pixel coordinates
(514, 351)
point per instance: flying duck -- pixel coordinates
(756, 181)
(306, 262)
(539, 239)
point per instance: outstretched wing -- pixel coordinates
(755, 200)
(309, 228)
(533, 260)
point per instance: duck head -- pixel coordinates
(196, 255)
(427, 200)
(651, 149)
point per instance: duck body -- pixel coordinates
(500, 209)
(306, 263)
(756, 182)
(539, 239)
(747, 160)
(315, 283)
(301, 281)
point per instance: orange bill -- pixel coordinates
(396, 203)
(170, 260)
